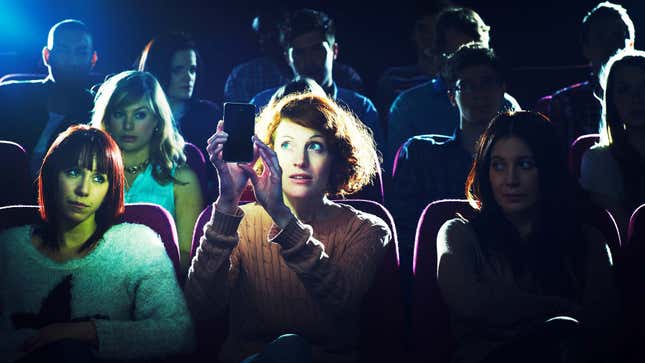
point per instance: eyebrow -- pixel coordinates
(316, 135)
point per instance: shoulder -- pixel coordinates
(262, 99)
(363, 223)
(455, 233)
(511, 103)
(415, 93)
(205, 106)
(135, 239)
(423, 144)
(598, 156)
(353, 98)
(14, 236)
(185, 174)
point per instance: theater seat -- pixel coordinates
(382, 315)
(15, 186)
(578, 147)
(151, 215)
(431, 334)
(197, 163)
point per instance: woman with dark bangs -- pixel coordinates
(527, 256)
(294, 262)
(78, 286)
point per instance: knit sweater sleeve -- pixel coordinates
(161, 324)
(338, 284)
(215, 266)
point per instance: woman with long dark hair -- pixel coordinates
(527, 256)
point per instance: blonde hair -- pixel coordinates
(126, 88)
(355, 160)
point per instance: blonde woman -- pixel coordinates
(133, 108)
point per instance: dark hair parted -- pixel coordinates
(552, 256)
(305, 21)
(470, 55)
(81, 146)
(351, 144)
(606, 11)
(158, 52)
(464, 20)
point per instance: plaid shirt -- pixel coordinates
(575, 110)
(250, 78)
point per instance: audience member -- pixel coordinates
(173, 59)
(78, 287)
(34, 112)
(575, 110)
(297, 85)
(527, 279)
(425, 109)
(613, 171)
(397, 79)
(309, 260)
(132, 107)
(271, 70)
(312, 48)
(433, 167)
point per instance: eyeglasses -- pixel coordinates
(486, 85)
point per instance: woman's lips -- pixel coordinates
(300, 179)
(128, 138)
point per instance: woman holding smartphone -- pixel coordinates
(294, 261)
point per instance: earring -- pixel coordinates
(156, 130)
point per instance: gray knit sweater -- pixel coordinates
(126, 285)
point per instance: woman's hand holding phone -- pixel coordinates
(232, 178)
(268, 186)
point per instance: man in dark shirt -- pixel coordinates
(434, 167)
(33, 113)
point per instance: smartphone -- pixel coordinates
(239, 124)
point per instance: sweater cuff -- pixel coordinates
(225, 224)
(105, 336)
(294, 234)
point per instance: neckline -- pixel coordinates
(45, 260)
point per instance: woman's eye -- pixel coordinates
(73, 172)
(527, 164)
(315, 146)
(192, 70)
(100, 178)
(497, 166)
(140, 115)
(285, 145)
(117, 114)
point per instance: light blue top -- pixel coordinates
(126, 285)
(145, 189)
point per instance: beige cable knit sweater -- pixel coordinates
(307, 280)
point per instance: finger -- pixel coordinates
(250, 172)
(216, 136)
(270, 160)
(220, 125)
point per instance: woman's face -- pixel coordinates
(183, 72)
(132, 126)
(304, 157)
(80, 193)
(629, 95)
(513, 176)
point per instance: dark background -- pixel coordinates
(539, 40)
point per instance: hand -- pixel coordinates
(232, 178)
(82, 331)
(268, 186)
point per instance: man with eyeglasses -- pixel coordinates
(433, 167)
(311, 51)
(425, 109)
(34, 112)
